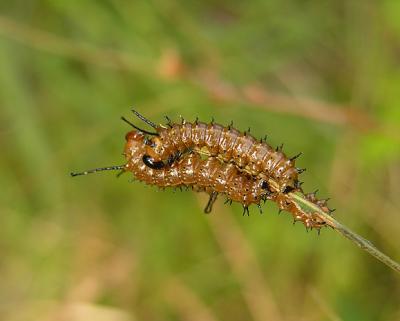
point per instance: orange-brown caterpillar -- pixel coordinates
(250, 155)
(213, 177)
(210, 175)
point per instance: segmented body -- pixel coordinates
(229, 145)
(211, 176)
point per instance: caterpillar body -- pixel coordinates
(213, 177)
(250, 155)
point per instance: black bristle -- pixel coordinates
(296, 156)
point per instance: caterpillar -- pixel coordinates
(210, 175)
(250, 155)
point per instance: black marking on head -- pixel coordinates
(149, 162)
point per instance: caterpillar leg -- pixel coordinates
(211, 201)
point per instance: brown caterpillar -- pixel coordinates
(214, 177)
(210, 175)
(250, 155)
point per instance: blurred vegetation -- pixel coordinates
(322, 77)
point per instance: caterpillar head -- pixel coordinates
(135, 143)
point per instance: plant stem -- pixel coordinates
(345, 231)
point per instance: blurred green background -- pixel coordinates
(321, 77)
